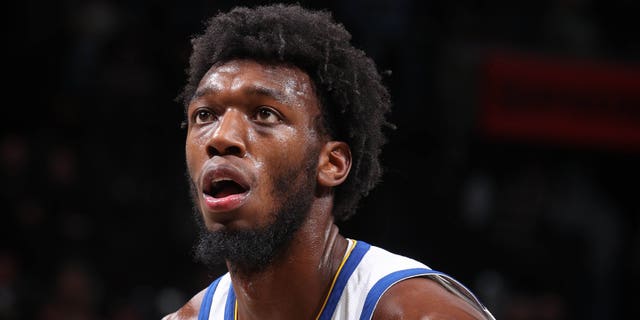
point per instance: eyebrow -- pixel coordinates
(252, 90)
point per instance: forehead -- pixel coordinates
(279, 80)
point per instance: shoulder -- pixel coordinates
(189, 310)
(423, 298)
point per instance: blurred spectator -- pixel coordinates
(92, 166)
(74, 295)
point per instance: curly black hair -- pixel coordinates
(353, 99)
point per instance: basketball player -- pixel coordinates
(285, 123)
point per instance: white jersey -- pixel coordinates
(363, 277)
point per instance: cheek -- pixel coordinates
(193, 154)
(292, 158)
(198, 137)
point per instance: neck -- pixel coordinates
(293, 286)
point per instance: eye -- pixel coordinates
(267, 116)
(203, 116)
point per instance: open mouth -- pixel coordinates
(223, 188)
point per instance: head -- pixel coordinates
(353, 100)
(279, 102)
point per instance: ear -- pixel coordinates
(334, 163)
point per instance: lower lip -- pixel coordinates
(226, 203)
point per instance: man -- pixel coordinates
(285, 124)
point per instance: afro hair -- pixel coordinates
(353, 98)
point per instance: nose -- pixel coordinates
(228, 136)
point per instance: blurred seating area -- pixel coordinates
(540, 217)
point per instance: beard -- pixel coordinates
(250, 251)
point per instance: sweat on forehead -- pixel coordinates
(281, 82)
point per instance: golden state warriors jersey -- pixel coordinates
(363, 277)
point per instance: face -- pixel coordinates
(252, 149)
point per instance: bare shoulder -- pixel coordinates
(423, 298)
(189, 310)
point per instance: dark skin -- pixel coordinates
(255, 121)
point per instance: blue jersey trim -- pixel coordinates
(387, 281)
(205, 306)
(352, 262)
(230, 306)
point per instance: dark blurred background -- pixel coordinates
(514, 166)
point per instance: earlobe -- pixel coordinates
(334, 163)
